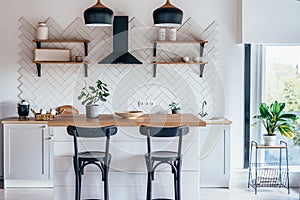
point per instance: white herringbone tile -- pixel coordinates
(61, 84)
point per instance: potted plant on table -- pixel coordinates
(175, 108)
(274, 119)
(91, 95)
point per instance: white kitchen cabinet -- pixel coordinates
(215, 156)
(27, 155)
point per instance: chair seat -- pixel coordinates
(94, 155)
(163, 155)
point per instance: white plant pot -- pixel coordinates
(92, 111)
(269, 140)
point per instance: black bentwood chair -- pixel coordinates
(99, 158)
(156, 158)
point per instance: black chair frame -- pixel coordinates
(174, 160)
(99, 158)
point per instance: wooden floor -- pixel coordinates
(206, 194)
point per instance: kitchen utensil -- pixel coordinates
(23, 109)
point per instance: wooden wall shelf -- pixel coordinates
(39, 46)
(155, 63)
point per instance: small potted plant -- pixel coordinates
(91, 95)
(175, 108)
(274, 119)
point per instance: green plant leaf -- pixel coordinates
(289, 116)
(264, 111)
(275, 108)
(92, 88)
(282, 105)
(286, 131)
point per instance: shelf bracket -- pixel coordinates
(201, 70)
(86, 69)
(154, 70)
(201, 49)
(85, 48)
(39, 69)
(38, 45)
(154, 49)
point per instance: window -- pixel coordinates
(282, 83)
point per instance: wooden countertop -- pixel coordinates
(218, 121)
(16, 120)
(147, 119)
(109, 119)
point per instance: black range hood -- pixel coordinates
(120, 54)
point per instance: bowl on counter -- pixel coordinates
(130, 114)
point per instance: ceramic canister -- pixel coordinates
(172, 34)
(162, 34)
(42, 31)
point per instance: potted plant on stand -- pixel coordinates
(274, 119)
(175, 108)
(91, 96)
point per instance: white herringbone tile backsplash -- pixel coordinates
(61, 84)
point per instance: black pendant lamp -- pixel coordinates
(98, 15)
(167, 16)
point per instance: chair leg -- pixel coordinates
(77, 192)
(149, 179)
(106, 192)
(78, 179)
(175, 184)
(179, 179)
(149, 186)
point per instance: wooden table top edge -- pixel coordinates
(81, 120)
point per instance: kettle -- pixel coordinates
(23, 109)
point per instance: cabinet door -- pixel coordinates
(27, 152)
(214, 156)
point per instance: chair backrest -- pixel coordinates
(151, 131)
(94, 132)
(164, 131)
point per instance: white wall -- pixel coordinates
(203, 12)
(271, 21)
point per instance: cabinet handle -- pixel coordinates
(49, 138)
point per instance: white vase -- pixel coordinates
(42, 31)
(269, 140)
(92, 111)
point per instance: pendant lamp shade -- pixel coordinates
(98, 15)
(167, 16)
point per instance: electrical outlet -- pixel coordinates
(146, 103)
(140, 103)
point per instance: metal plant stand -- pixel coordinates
(269, 174)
